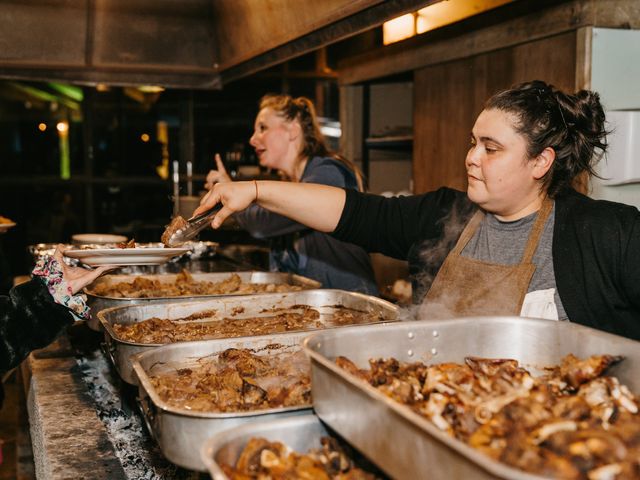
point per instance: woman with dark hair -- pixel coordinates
(521, 240)
(37, 311)
(287, 138)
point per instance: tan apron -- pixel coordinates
(467, 287)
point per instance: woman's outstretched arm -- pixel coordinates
(317, 206)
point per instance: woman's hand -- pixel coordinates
(217, 176)
(234, 196)
(76, 277)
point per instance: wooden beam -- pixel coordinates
(584, 38)
(339, 30)
(169, 78)
(511, 25)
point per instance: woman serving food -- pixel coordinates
(287, 138)
(521, 240)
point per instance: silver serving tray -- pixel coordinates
(301, 433)
(406, 445)
(101, 302)
(180, 433)
(120, 351)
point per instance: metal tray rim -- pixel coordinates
(106, 325)
(144, 381)
(483, 461)
(301, 280)
(220, 439)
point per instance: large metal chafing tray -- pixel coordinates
(406, 445)
(100, 302)
(300, 433)
(325, 301)
(180, 433)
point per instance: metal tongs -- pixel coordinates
(194, 226)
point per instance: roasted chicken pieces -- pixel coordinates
(571, 422)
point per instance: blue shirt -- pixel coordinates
(296, 248)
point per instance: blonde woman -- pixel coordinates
(287, 138)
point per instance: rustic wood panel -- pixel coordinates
(246, 28)
(264, 43)
(449, 97)
(45, 32)
(147, 34)
(524, 21)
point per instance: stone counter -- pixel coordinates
(83, 422)
(83, 419)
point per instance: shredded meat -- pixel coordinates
(204, 325)
(186, 285)
(128, 244)
(262, 459)
(178, 223)
(238, 380)
(572, 422)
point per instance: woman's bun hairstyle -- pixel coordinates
(572, 124)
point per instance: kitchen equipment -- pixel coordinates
(194, 226)
(180, 433)
(325, 301)
(100, 302)
(401, 442)
(300, 433)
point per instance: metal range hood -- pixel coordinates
(173, 43)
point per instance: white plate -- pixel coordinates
(97, 238)
(6, 226)
(125, 256)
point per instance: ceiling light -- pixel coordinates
(151, 88)
(399, 28)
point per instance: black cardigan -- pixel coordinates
(596, 248)
(29, 319)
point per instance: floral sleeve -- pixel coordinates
(49, 270)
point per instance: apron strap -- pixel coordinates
(468, 232)
(536, 230)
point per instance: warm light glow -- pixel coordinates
(42, 127)
(101, 87)
(65, 156)
(399, 28)
(151, 88)
(444, 13)
(144, 137)
(435, 16)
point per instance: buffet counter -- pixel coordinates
(83, 419)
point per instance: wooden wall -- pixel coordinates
(448, 97)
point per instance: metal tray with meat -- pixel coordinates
(189, 391)
(485, 397)
(122, 290)
(133, 329)
(295, 447)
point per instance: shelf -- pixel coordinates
(390, 142)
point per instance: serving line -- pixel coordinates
(83, 423)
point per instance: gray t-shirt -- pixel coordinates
(504, 243)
